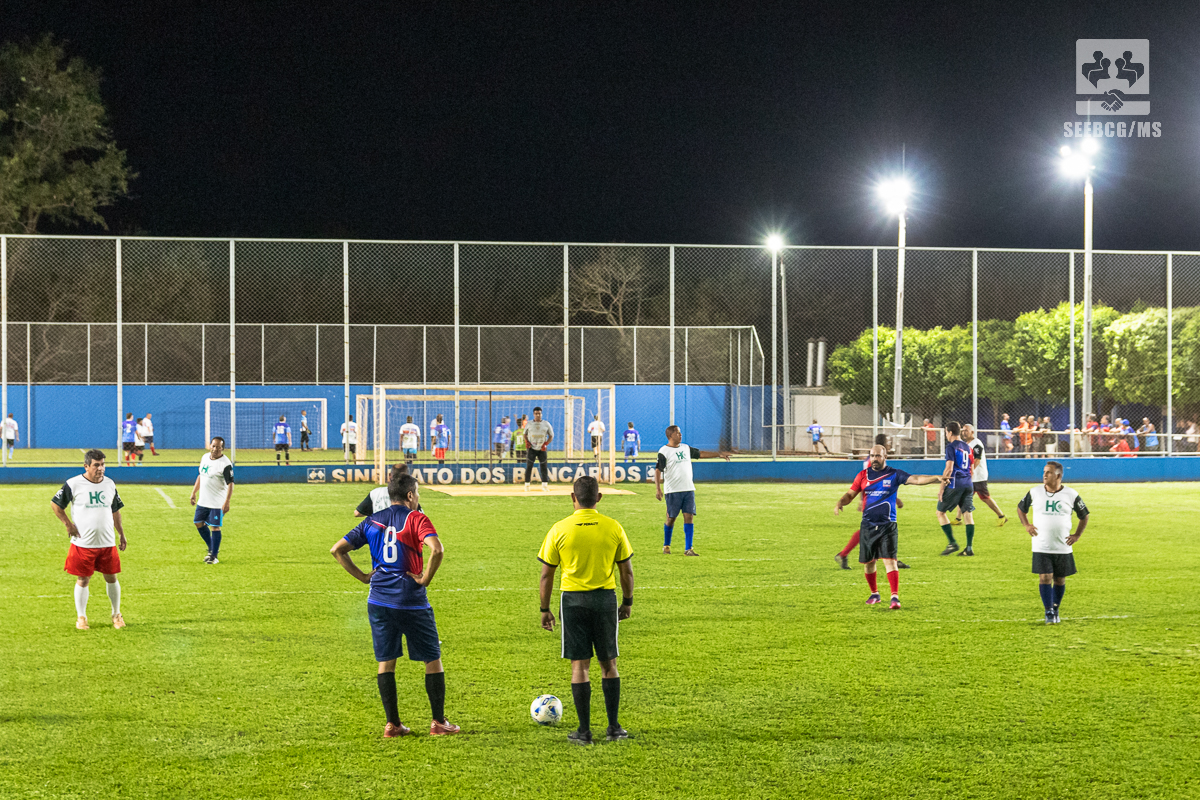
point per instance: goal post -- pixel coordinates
(256, 417)
(473, 414)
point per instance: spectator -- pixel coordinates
(1006, 432)
(1049, 437)
(931, 439)
(1105, 441)
(1142, 431)
(1131, 435)
(1151, 438)
(1025, 434)
(1121, 448)
(1093, 428)
(1193, 436)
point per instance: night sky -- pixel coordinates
(612, 122)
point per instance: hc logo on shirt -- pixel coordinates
(96, 498)
(1054, 507)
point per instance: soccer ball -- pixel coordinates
(546, 709)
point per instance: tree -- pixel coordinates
(57, 157)
(1041, 347)
(931, 376)
(612, 286)
(1137, 357)
(996, 381)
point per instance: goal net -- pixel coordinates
(472, 416)
(256, 418)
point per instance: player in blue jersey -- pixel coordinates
(632, 440)
(439, 439)
(958, 491)
(816, 431)
(397, 605)
(879, 484)
(129, 439)
(501, 436)
(283, 440)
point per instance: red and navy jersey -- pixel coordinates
(395, 536)
(879, 493)
(964, 461)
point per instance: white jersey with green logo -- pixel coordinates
(1050, 514)
(215, 475)
(92, 507)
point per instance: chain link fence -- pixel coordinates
(991, 336)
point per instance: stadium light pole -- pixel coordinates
(774, 244)
(1078, 164)
(895, 194)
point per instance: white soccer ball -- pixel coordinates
(546, 709)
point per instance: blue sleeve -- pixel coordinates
(950, 448)
(902, 477)
(358, 537)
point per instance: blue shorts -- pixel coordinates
(631, 451)
(680, 501)
(410, 453)
(416, 624)
(209, 516)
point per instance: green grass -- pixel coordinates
(755, 669)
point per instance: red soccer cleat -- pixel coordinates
(895, 606)
(873, 599)
(391, 731)
(444, 728)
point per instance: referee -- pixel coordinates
(591, 548)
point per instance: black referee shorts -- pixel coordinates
(532, 455)
(589, 622)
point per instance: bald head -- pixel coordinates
(878, 457)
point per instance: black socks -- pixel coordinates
(387, 693)
(612, 699)
(435, 687)
(582, 693)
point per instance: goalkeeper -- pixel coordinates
(538, 435)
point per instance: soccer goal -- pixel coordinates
(256, 418)
(472, 415)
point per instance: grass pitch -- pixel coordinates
(755, 668)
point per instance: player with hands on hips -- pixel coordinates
(673, 481)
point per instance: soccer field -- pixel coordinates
(754, 669)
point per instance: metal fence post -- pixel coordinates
(457, 429)
(89, 355)
(345, 340)
(1071, 379)
(28, 388)
(581, 330)
(120, 355)
(4, 339)
(531, 354)
(145, 353)
(203, 348)
(774, 361)
(1168, 430)
(975, 339)
(875, 344)
(566, 362)
(232, 361)
(671, 415)
(635, 355)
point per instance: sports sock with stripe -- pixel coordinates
(688, 530)
(582, 694)
(970, 534)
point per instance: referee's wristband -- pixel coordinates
(545, 611)
(628, 601)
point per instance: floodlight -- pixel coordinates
(895, 194)
(1090, 145)
(774, 242)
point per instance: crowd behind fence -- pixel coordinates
(985, 331)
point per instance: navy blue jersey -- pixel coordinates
(958, 452)
(282, 432)
(879, 493)
(395, 536)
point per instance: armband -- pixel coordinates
(627, 602)
(545, 611)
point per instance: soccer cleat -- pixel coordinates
(967, 552)
(208, 558)
(842, 562)
(81, 624)
(391, 731)
(895, 606)
(1049, 616)
(666, 549)
(443, 728)
(1054, 612)
(616, 734)
(579, 737)
(956, 521)
(874, 599)
(690, 552)
(1003, 520)
(901, 565)
(545, 487)
(211, 560)
(527, 487)
(950, 548)
(118, 621)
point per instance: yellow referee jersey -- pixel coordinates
(587, 545)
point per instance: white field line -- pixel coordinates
(170, 502)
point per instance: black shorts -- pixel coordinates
(148, 439)
(1060, 564)
(877, 541)
(957, 498)
(283, 447)
(303, 437)
(981, 490)
(128, 447)
(531, 456)
(415, 624)
(589, 621)
(351, 446)
(595, 441)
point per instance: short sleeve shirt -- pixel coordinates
(92, 507)
(587, 546)
(215, 475)
(1051, 515)
(959, 454)
(395, 536)
(676, 465)
(879, 493)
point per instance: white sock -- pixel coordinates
(114, 596)
(81, 598)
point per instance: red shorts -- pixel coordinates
(439, 453)
(86, 561)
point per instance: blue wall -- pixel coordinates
(71, 416)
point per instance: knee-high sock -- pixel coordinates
(688, 530)
(435, 687)
(81, 598)
(850, 545)
(216, 541)
(893, 579)
(970, 534)
(667, 531)
(1047, 593)
(387, 693)
(612, 699)
(206, 535)
(1059, 591)
(582, 694)
(949, 534)
(873, 582)
(114, 595)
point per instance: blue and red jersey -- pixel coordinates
(879, 493)
(964, 461)
(395, 536)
